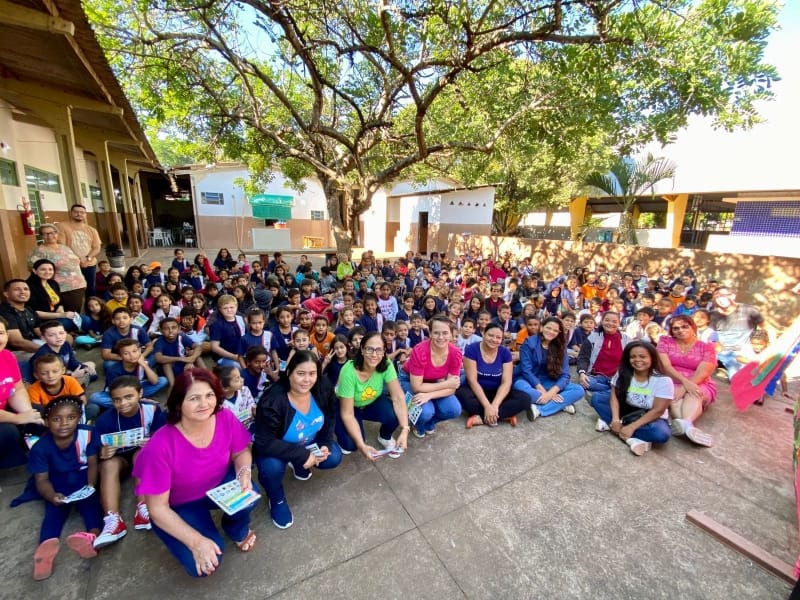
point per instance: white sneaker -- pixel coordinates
(569, 409)
(601, 426)
(638, 447)
(533, 412)
(679, 427)
(388, 444)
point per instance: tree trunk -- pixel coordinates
(339, 203)
(626, 234)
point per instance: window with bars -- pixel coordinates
(317, 215)
(43, 181)
(212, 198)
(8, 172)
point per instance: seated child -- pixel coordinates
(254, 374)
(174, 350)
(226, 332)
(301, 341)
(132, 363)
(129, 411)
(335, 360)
(759, 340)
(467, 334)
(417, 332)
(55, 342)
(51, 383)
(258, 335)
(119, 296)
(123, 328)
(163, 308)
(322, 338)
(238, 397)
(62, 462)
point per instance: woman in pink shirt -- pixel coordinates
(16, 411)
(201, 447)
(433, 374)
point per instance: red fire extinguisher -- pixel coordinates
(28, 218)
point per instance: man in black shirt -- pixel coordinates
(23, 324)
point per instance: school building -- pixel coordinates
(67, 133)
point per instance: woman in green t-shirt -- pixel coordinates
(368, 390)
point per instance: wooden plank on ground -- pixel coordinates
(758, 555)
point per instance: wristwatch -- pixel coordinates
(582, 372)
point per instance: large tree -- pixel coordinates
(361, 93)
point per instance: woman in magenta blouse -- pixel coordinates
(201, 447)
(690, 363)
(433, 375)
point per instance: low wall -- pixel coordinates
(764, 281)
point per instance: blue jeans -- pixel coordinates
(571, 394)
(272, 469)
(600, 386)
(150, 390)
(380, 411)
(197, 514)
(434, 411)
(656, 431)
(90, 274)
(728, 360)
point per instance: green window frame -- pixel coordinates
(43, 181)
(8, 172)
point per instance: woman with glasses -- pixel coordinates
(68, 275)
(432, 374)
(368, 390)
(690, 363)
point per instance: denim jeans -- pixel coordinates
(600, 386)
(728, 360)
(197, 514)
(380, 411)
(656, 431)
(434, 411)
(570, 394)
(271, 470)
(90, 274)
(11, 452)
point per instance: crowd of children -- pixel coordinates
(245, 320)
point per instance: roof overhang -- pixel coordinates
(51, 65)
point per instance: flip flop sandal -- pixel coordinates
(82, 543)
(701, 438)
(43, 559)
(248, 543)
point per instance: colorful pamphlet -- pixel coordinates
(124, 439)
(80, 494)
(414, 410)
(231, 498)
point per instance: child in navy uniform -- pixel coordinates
(130, 411)
(226, 332)
(55, 338)
(62, 462)
(132, 363)
(123, 328)
(174, 350)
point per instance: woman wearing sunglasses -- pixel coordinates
(690, 363)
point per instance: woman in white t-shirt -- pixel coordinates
(640, 397)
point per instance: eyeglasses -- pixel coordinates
(368, 351)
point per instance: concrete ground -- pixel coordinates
(549, 509)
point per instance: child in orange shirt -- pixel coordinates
(53, 382)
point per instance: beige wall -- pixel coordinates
(764, 281)
(235, 233)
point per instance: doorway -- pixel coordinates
(422, 245)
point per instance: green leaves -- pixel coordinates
(528, 94)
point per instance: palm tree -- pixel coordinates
(625, 181)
